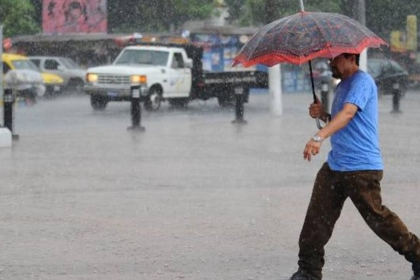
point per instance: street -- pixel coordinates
(193, 197)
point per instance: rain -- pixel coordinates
(106, 175)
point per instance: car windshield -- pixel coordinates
(148, 57)
(69, 63)
(25, 64)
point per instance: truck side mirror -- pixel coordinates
(189, 63)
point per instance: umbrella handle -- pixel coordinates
(312, 81)
(318, 124)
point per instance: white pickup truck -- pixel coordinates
(164, 74)
(172, 72)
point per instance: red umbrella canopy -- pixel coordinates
(306, 35)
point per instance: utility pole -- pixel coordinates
(274, 72)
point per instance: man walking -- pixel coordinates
(354, 170)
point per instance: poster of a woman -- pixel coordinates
(96, 11)
(74, 16)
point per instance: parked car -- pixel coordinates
(72, 74)
(23, 77)
(387, 72)
(52, 82)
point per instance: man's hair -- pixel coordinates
(356, 57)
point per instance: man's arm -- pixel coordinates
(340, 120)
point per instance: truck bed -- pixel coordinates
(220, 84)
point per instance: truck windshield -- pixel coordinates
(149, 57)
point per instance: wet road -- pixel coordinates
(194, 197)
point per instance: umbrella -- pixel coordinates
(304, 36)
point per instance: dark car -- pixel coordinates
(387, 73)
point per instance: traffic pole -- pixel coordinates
(239, 106)
(136, 110)
(8, 100)
(396, 96)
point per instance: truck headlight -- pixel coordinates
(138, 79)
(91, 78)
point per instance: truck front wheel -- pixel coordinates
(98, 102)
(153, 100)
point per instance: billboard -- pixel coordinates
(412, 33)
(218, 50)
(74, 16)
(398, 41)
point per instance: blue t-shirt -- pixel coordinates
(356, 146)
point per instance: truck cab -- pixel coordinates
(165, 73)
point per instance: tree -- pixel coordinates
(253, 12)
(271, 12)
(37, 4)
(383, 16)
(147, 16)
(17, 17)
(236, 9)
(154, 16)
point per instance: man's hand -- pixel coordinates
(312, 148)
(316, 110)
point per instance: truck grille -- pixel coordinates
(114, 80)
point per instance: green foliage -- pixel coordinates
(125, 15)
(236, 8)
(330, 6)
(155, 16)
(383, 16)
(253, 12)
(17, 18)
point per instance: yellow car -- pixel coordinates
(53, 83)
(27, 83)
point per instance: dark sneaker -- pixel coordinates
(415, 278)
(301, 275)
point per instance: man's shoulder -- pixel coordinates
(361, 77)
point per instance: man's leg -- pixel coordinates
(365, 191)
(323, 211)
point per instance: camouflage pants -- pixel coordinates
(330, 191)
